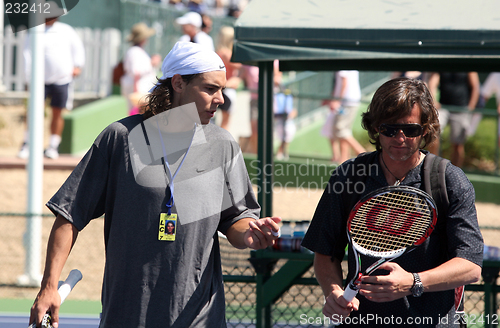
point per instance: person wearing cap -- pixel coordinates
(168, 165)
(139, 67)
(64, 58)
(191, 24)
(225, 50)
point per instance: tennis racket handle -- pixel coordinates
(64, 289)
(73, 278)
(46, 322)
(350, 293)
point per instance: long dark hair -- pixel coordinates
(160, 99)
(395, 99)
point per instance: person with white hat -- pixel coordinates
(139, 67)
(153, 278)
(191, 24)
(64, 58)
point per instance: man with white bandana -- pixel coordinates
(148, 173)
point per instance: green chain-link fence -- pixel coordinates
(300, 305)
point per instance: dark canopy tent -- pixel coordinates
(425, 35)
(376, 35)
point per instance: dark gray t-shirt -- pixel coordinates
(150, 282)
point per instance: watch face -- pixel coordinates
(418, 289)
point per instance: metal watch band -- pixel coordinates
(418, 288)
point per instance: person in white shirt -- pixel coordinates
(191, 27)
(492, 87)
(343, 111)
(139, 67)
(64, 58)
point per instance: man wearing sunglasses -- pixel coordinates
(401, 120)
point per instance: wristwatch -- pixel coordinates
(418, 288)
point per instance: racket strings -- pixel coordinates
(391, 221)
(389, 225)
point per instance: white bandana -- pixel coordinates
(190, 58)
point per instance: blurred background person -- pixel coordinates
(491, 87)
(409, 74)
(177, 4)
(234, 10)
(197, 6)
(347, 98)
(225, 51)
(460, 89)
(139, 68)
(191, 27)
(284, 113)
(206, 23)
(139, 103)
(64, 58)
(250, 76)
(327, 132)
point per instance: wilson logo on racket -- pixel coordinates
(388, 221)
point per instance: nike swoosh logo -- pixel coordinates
(200, 170)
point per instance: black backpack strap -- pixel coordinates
(362, 159)
(434, 181)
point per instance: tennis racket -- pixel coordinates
(64, 289)
(386, 224)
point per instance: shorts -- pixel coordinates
(58, 94)
(343, 121)
(459, 125)
(285, 129)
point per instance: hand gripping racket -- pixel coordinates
(64, 289)
(386, 224)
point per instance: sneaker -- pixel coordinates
(24, 152)
(51, 153)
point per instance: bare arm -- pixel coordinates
(329, 276)
(433, 86)
(475, 89)
(76, 71)
(335, 103)
(449, 275)
(256, 234)
(61, 240)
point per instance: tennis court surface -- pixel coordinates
(21, 320)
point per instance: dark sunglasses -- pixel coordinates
(411, 130)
